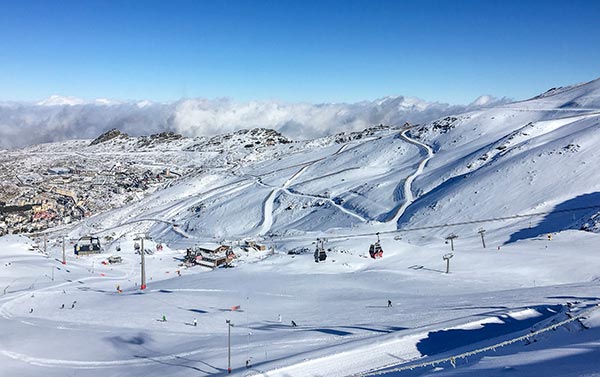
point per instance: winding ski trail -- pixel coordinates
(267, 218)
(409, 197)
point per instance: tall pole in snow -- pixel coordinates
(451, 237)
(229, 326)
(447, 259)
(143, 285)
(64, 259)
(481, 231)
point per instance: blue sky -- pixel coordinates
(314, 51)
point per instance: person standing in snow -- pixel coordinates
(294, 324)
(389, 303)
(279, 318)
(164, 318)
(195, 322)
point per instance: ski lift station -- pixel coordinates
(209, 255)
(88, 245)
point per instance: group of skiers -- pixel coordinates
(279, 319)
(72, 305)
(194, 322)
(61, 307)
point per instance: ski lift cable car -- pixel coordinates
(320, 254)
(375, 250)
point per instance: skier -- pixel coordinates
(73, 305)
(30, 310)
(279, 318)
(164, 318)
(62, 306)
(195, 322)
(389, 303)
(294, 324)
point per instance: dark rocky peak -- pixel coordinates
(156, 139)
(109, 135)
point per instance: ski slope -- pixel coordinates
(408, 192)
(347, 323)
(526, 304)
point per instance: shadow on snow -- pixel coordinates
(562, 217)
(446, 340)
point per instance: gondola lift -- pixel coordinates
(320, 254)
(375, 250)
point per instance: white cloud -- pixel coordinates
(59, 118)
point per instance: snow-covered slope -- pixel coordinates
(485, 168)
(532, 156)
(526, 157)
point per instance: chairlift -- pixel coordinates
(375, 250)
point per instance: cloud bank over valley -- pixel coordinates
(60, 118)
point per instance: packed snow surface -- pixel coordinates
(519, 177)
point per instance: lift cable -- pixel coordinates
(446, 225)
(276, 238)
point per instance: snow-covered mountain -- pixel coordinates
(526, 304)
(513, 159)
(517, 158)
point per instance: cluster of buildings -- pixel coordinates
(61, 194)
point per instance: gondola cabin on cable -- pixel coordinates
(375, 250)
(320, 254)
(88, 245)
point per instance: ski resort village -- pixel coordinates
(465, 245)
